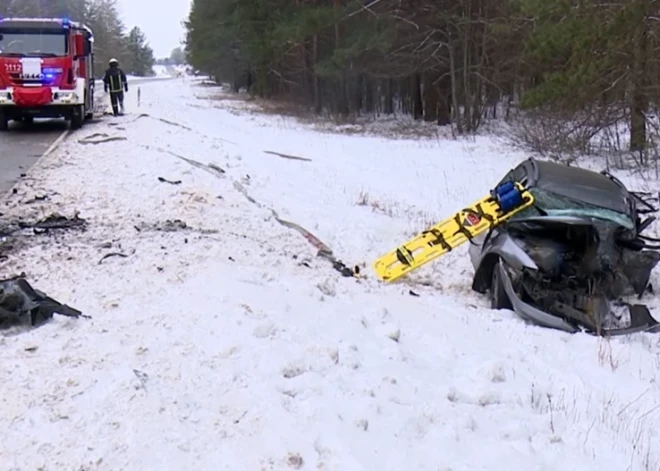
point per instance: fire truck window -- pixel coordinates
(39, 44)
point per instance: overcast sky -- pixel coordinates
(159, 19)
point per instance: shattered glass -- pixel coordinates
(557, 205)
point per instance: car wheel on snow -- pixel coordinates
(498, 297)
(4, 122)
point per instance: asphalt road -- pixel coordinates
(22, 145)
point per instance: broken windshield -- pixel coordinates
(33, 44)
(557, 205)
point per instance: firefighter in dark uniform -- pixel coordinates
(115, 81)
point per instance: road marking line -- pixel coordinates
(53, 146)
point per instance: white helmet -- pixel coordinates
(113, 61)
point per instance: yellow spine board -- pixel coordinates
(445, 236)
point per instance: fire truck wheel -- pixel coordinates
(4, 122)
(90, 114)
(78, 117)
(28, 120)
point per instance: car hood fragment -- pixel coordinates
(20, 302)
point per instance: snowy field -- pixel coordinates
(228, 345)
(160, 71)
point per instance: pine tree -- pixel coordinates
(177, 56)
(212, 43)
(140, 57)
(592, 60)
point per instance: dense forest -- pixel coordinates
(111, 38)
(575, 69)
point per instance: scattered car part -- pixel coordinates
(18, 300)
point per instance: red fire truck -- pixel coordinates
(46, 70)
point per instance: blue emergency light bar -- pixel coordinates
(66, 22)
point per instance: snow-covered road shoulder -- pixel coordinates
(220, 341)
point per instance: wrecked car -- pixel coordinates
(575, 258)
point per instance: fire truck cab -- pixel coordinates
(46, 70)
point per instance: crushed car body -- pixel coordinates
(574, 259)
